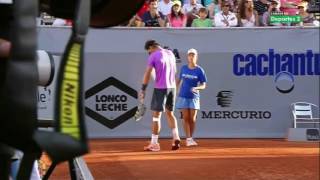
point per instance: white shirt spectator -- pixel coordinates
(164, 7)
(188, 7)
(59, 22)
(249, 23)
(220, 20)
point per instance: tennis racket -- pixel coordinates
(141, 110)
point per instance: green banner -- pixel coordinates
(285, 19)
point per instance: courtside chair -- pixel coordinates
(303, 112)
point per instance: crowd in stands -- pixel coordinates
(214, 13)
(219, 13)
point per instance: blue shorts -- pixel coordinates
(186, 103)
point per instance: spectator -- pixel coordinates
(307, 19)
(192, 7)
(165, 7)
(273, 8)
(143, 9)
(236, 8)
(261, 6)
(232, 5)
(188, 1)
(202, 21)
(214, 7)
(206, 3)
(225, 18)
(135, 21)
(191, 10)
(69, 22)
(176, 18)
(289, 7)
(248, 17)
(153, 18)
(59, 22)
(46, 19)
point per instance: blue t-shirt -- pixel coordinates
(191, 78)
(151, 21)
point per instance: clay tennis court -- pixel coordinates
(220, 159)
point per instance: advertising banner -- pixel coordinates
(253, 77)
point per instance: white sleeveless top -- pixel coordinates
(250, 23)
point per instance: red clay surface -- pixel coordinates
(214, 159)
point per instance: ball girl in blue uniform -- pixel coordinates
(192, 79)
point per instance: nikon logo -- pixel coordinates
(70, 92)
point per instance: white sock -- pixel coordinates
(189, 139)
(154, 139)
(175, 133)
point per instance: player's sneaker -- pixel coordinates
(176, 144)
(191, 142)
(152, 147)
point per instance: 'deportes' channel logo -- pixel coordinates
(284, 67)
(111, 102)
